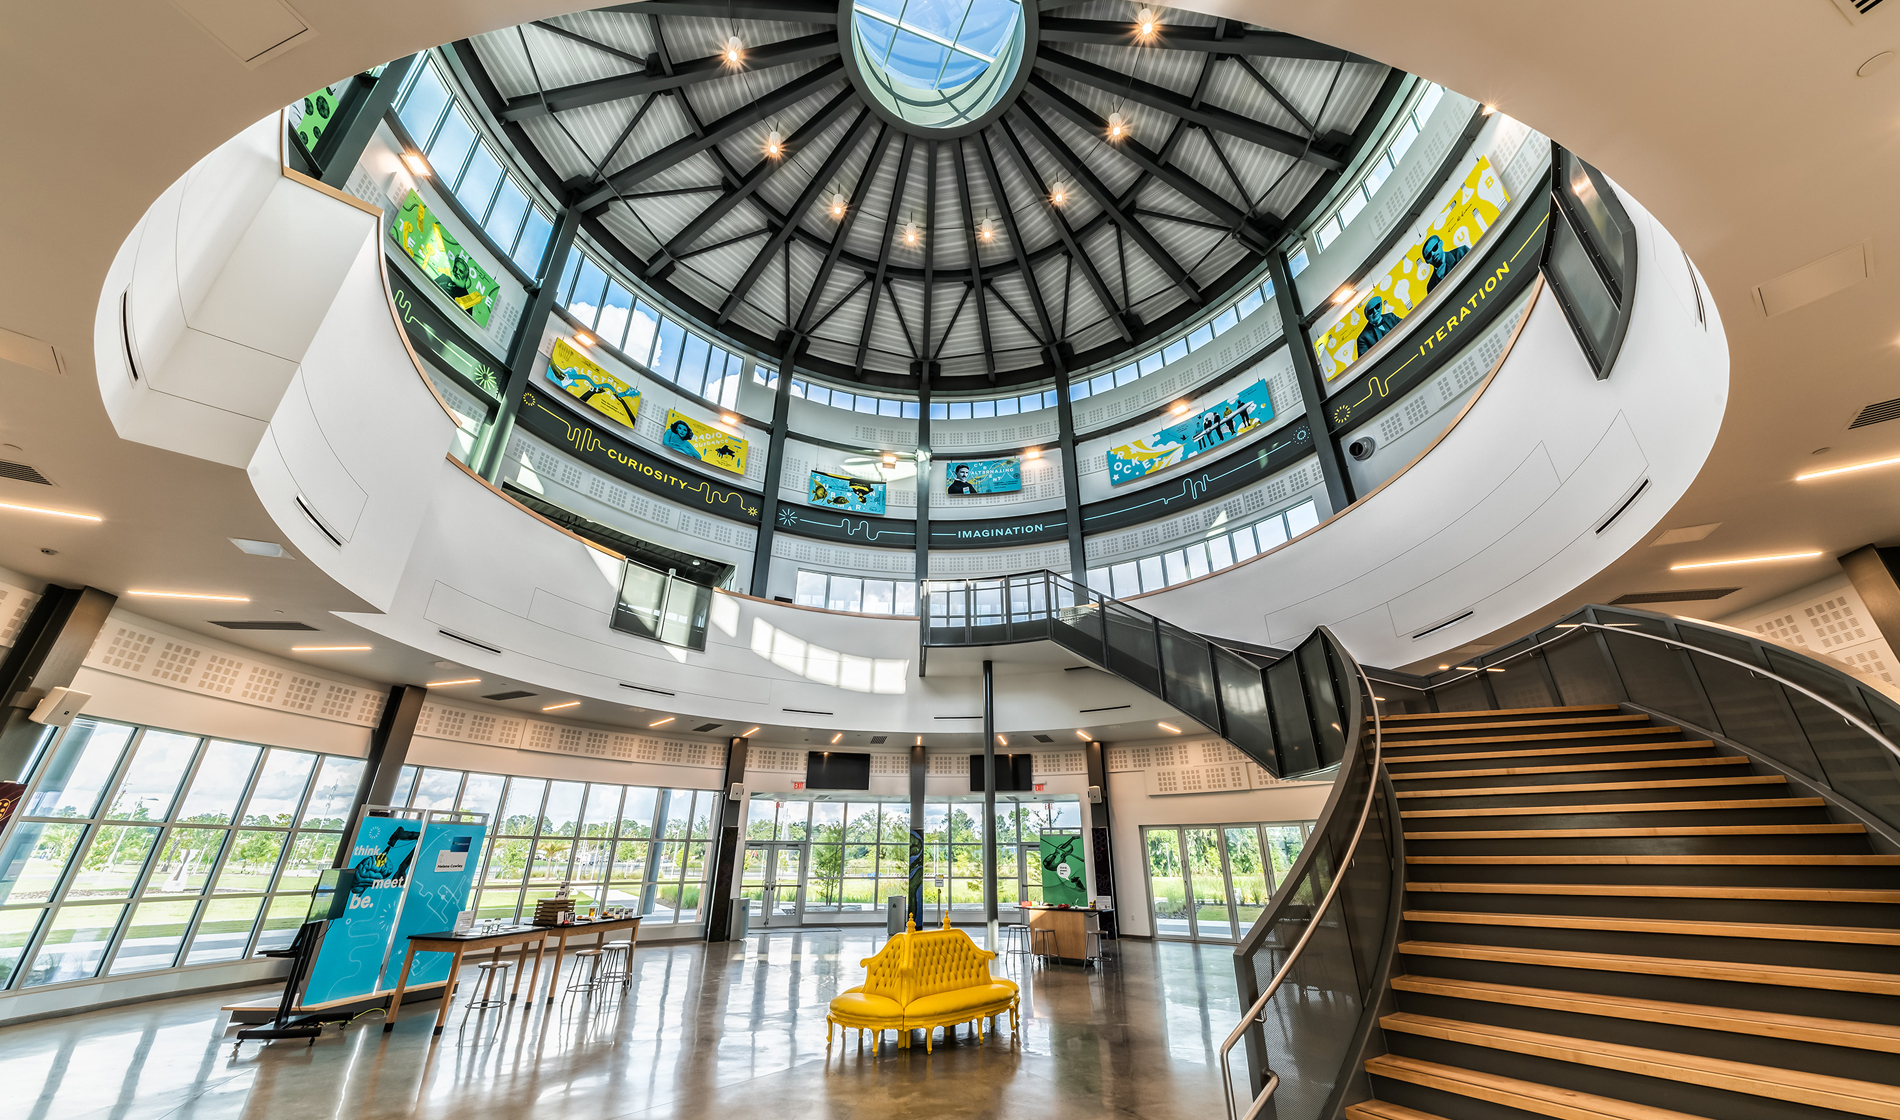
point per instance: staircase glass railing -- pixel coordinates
(1310, 967)
(1289, 717)
(1799, 712)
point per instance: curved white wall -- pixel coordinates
(1501, 517)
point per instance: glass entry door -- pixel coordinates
(773, 884)
(1212, 882)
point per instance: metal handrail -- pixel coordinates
(1254, 1014)
(1677, 643)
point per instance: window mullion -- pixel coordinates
(224, 852)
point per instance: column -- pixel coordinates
(923, 483)
(343, 142)
(989, 806)
(1872, 571)
(774, 467)
(388, 751)
(727, 854)
(46, 655)
(1097, 806)
(917, 774)
(525, 350)
(1071, 478)
(1332, 464)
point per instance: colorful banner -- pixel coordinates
(1064, 874)
(318, 110)
(351, 958)
(442, 259)
(1463, 221)
(983, 476)
(853, 495)
(440, 876)
(1208, 429)
(594, 386)
(701, 441)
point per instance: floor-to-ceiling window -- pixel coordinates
(1210, 882)
(138, 849)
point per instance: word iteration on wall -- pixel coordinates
(1196, 766)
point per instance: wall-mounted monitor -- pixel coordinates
(837, 770)
(1014, 773)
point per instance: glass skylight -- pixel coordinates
(936, 44)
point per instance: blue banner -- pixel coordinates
(354, 946)
(1204, 431)
(446, 860)
(983, 476)
(852, 495)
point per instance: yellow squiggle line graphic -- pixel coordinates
(584, 440)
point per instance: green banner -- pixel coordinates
(1064, 875)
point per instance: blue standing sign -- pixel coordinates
(439, 879)
(350, 960)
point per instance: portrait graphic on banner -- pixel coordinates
(1204, 431)
(851, 495)
(1064, 878)
(697, 440)
(598, 389)
(983, 476)
(1460, 224)
(442, 259)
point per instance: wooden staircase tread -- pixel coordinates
(1526, 1096)
(1506, 771)
(1766, 931)
(1386, 1110)
(1548, 736)
(1618, 807)
(1645, 890)
(1769, 1024)
(1817, 1090)
(1678, 830)
(1771, 860)
(1786, 976)
(1598, 787)
(1415, 716)
(1539, 752)
(1571, 722)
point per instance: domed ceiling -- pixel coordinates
(970, 190)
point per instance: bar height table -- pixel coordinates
(461, 944)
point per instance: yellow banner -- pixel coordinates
(1463, 221)
(697, 440)
(600, 390)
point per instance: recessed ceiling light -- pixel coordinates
(558, 707)
(49, 512)
(258, 548)
(1744, 560)
(1083, 735)
(1467, 668)
(1032, 452)
(190, 595)
(1170, 727)
(1179, 407)
(662, 722)
(415, 162)
(583, 338)
(328, 649)
(749, 733)
(1345, 292)
(1002, 742)
(919, 742)
(837, 737)
(1847, 469)
(446, 684)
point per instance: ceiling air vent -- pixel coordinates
(1044, 739)
(1635, 598)
(705, 727)
(515, 695)
(1877, 413)
(20, 472)
(264, 624)
(1856, 10)
(875, 739)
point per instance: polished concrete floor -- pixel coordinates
(727, 1030)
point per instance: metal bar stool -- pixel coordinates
(1042, 944)
(615, 964)
(1097, 945)
(1015, 938)
(587, 962)
(489, 970)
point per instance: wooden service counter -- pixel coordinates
(1070, 926)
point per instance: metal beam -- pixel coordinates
(1048, 333)
(884, 256)
(1257, 44)
(976, 263)
(1273, 91)
(804, 326)
(724, 128)
(675, 248)
(782, 11)
(806, 197)
(1206, 116)
(1332, 465)
(623, 86)
(1085, 178)
(1257, 236)
(557, 29)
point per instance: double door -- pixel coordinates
(773, 883)
(1210, 883)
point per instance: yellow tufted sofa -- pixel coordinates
(924, 978)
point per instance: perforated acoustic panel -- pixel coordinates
(15, 604)
(1193, 525)
(463, 725)
(1196, 766)
(1829, 620)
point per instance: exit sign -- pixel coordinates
(798, 785)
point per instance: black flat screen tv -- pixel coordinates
(1014, 773)
(837, 770)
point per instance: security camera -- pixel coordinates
(1361, 448)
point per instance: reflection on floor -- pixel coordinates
(707, 1031)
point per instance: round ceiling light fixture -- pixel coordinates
(774, 144)
(1119, 127)
(733, 51)
(938, 67)
(1146, 24)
